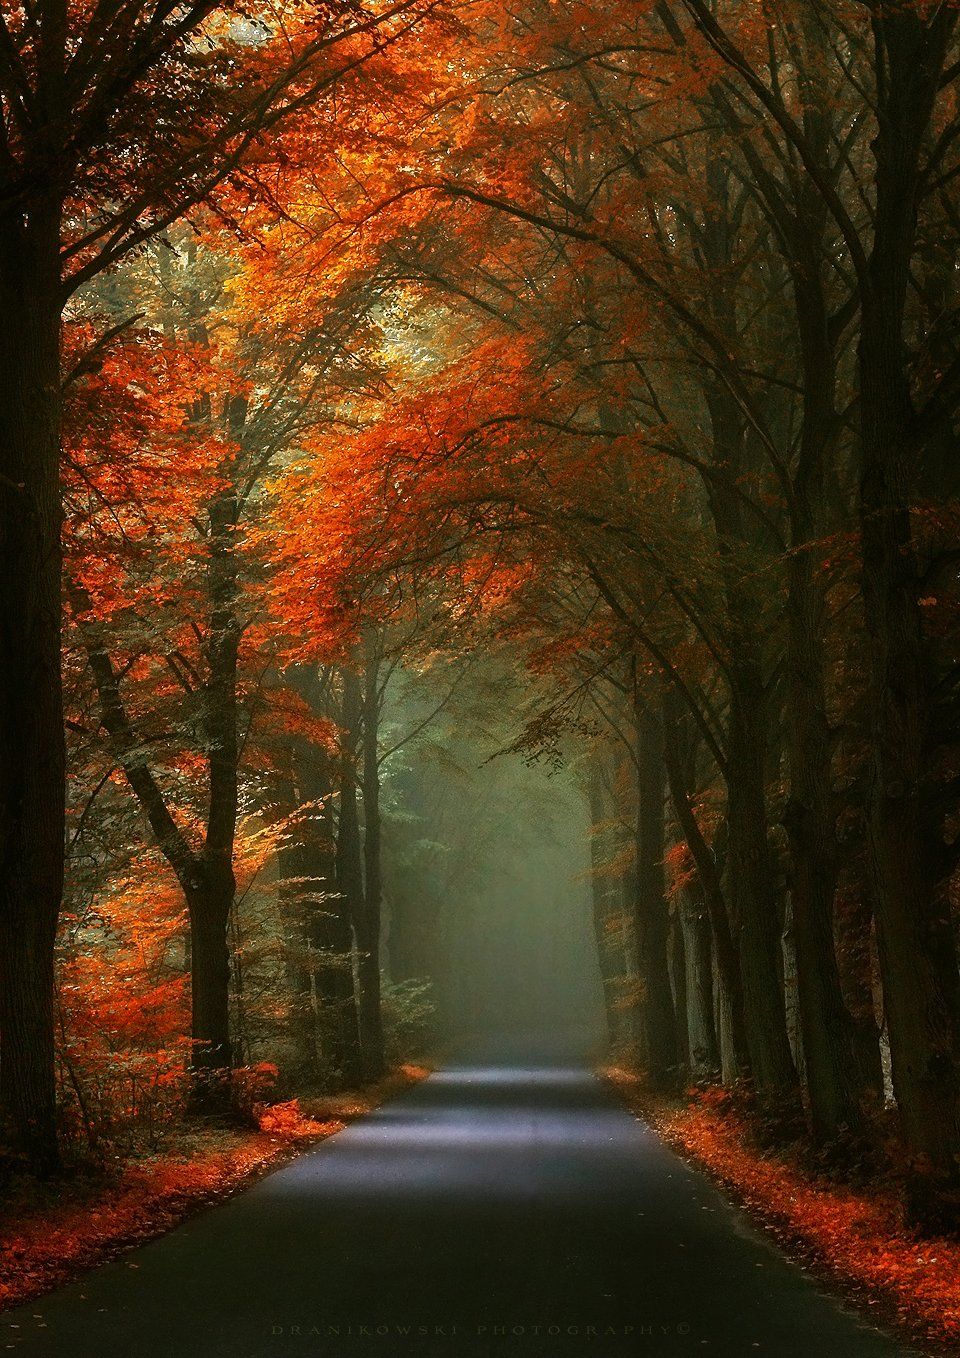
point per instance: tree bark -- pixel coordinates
(753, 882)
(206, 876)
(679, 970)
(658, 1022)
(826, 1027)
(724, 944)
(372, 1044)
(210, 906)
(698, 954)
(351, 856)
(855, 958)
(830, 1063)
(32, 750)
(209, 903)
(754, 890)
(327, 1030)
(331, 939)
(917, 948)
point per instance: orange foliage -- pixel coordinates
(288, 1119)
(123, 1010)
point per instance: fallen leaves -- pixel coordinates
(44, 1247)
(858, 1237)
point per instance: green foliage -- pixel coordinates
(409, 1012)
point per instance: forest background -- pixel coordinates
(384, 388)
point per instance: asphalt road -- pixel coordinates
(503, 1207)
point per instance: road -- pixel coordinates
(503, 1207)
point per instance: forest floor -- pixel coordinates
(49, 1235)
(852, 1236)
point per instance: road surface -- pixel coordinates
(508, 1207)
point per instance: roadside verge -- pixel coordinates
(854, 1237)
(48, 1240)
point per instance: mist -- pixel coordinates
(490, 894)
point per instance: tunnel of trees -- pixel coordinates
(479, 543)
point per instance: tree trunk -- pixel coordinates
(825, 1023)
(297, 897)
(415, 938)
(372, 1044)
(918, 955)
(350, 871)
(32, 753)
(331, 939)
(755, 893)
(724, 944)
(209, 907)
(856, 960)
(917, 948)
(677, 957)
(207, 876)
(658, 1024)
(325, 924)
(698, 954)
(611, 978)
(753, 882)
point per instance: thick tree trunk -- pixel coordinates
(416, 933)
(754, 887)
(209, 906)
(829, 1061)
(698, 955)
(27, 1081)
(32, 758)
(297, 896)
(658, 1024)
(320, 970)
(350, 872)
(856, 960)
(724, 944)
(917, 948)
(755, 891)
(918, 956)
(211, 903)
(207, 876)
(677, 958)
(826, 1028)
(324, 916)
(610, 978)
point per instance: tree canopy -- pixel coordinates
(583, 376)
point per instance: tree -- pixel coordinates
(114, 121)
(246, 398)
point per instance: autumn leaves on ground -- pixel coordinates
(848, 1231)
(49, 1236)
(393, 392)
